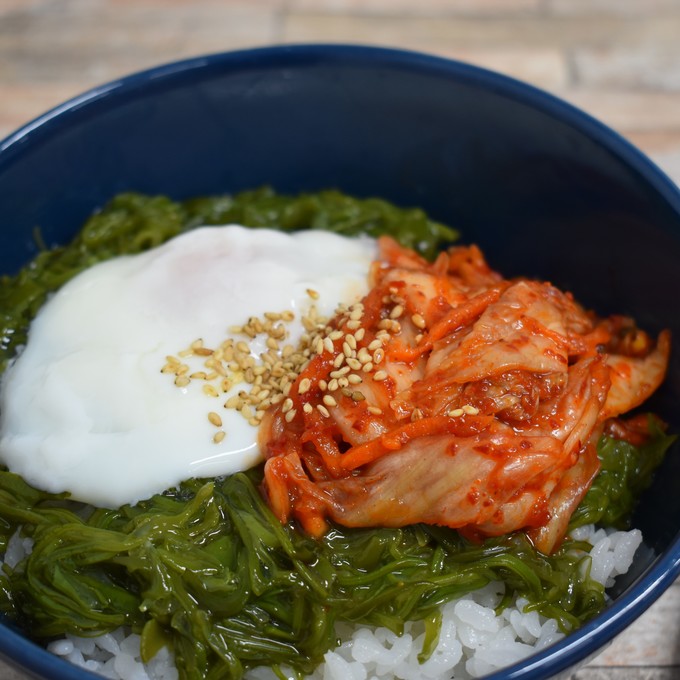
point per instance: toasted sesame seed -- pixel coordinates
(364, 355)
(215, 419)
(242, 346)
(234, 402)
(219, 436)
(340, 372)
(210, 391)
(358, 396)
(203, 352)
(312, 294)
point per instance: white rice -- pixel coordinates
(473, 642)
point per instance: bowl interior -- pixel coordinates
(543, 189)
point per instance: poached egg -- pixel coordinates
(86, 407)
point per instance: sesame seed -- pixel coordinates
(287, 405)
(340, 372)
(215, 419)
(307, 408)
(333, 384)
(304, 385)
(335, 335)
(343, 382)
(182, 381)
(323, 385)
(354, 379)
(210, 391)
(364, 355)
(380, 375)
(351, 341)
(353, 324)
(323, 410)
(456, 413)
(329, 401)
(418, 321)
(354, 364)
(396, 312)
(339, 360)
(358, 396)
(290, 415)
(470, 410)
(374, 410)
(375, 344)
(328, 345)
(198, 375)
(233, 402)
(359, 334)
(219, 436)
(367, 367)
(378, 356)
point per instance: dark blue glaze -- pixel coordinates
(544, 189)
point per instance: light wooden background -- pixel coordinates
(617, 59)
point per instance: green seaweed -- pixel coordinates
(206, 568)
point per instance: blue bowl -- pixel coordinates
(546, 191)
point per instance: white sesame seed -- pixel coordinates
(470, 410)
(456, 413)
(323, 410)
(329, 401)
(215, 419)
(290, 415)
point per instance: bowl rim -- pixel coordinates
(664, 568)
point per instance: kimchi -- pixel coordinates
(452, 396)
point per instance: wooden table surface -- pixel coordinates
(617, 59)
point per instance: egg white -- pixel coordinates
(85, 408)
